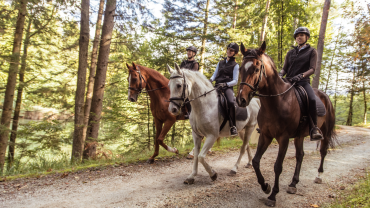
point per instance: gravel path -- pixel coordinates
(161, 184)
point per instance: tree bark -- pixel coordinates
(331, 62)
(350, 111)
(18, 102)
(235, 13)
(336, 88)
(320, 44)
(204, 39)
(364, 90)
(295, 24)
(264, 24)
(78, 144)
(90, 85)
(11, 82)
(99, 84)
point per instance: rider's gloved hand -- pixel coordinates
(281, 75)
(297, 78)
(221, 85)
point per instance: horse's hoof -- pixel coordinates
(248, 165)
(189, 181)
(291, 190)
(270, 203)
(318, 180)
(190, 157)
(268, 190)
(231, 173)
(150, 161)
(214, 177)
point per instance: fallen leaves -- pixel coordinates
(314, 205)
(342, 188)
(64, 175)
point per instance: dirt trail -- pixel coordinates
(161, 184)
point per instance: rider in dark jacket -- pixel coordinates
(226, 76)
(299, 65)
(193, 65)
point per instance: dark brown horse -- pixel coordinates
(279, 116)
(156, 85)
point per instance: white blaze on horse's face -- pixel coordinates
(247, 65)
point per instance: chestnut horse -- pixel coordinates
(280, 117)
(156, 85)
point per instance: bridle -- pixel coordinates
(141, 77)
(256, 85)
(183, 97)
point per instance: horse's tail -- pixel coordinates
(331, 135)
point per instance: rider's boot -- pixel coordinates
(233, 130)
(315, 132)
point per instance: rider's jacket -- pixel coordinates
(299, 61)
(192, 65)
(225, 70)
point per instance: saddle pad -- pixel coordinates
(302, 100)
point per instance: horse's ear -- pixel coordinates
(177, 68)
(170, 70)
(134, 65)
(128, 67)
(242, 48)
(262, 49)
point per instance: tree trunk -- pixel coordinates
(90, 85)
(350, 111)
(204, 39)
(264, 24)
(11, 82)
(235, 14)
(18, 102)
(365, 102)
(173, 134)
(331, 62)
(281, 34)
(99, 84)
(78, 144)
(336, 88)
(295, 24)
(320, 44)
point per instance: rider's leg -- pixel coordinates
(229, 94)
(315, 135)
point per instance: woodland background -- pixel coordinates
(51, 52)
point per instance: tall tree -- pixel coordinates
(90, 85)
(265, 19)
(11, 82)
(78, 143)
(99, 84)
(204, 38)
(320, 44)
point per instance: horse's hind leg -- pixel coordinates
(263, 143)
(323, 151)
(299, 153)
(247, 139)
(166, 127)
(210, 140)
(197, 143)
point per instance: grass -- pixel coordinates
(363, 125)
(44, 164)
(358, 196)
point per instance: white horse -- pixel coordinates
(205, 118)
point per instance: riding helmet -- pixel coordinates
(234, 46)
(301, 30)
(192, 48)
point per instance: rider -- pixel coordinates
(299, 65)
(226, 76)
(193, 65)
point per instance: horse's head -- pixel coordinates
(136, 82)
(179, 89)
(251, 71)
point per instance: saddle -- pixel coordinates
(302, 99)
(240, 113)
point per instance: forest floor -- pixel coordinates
(161, 184)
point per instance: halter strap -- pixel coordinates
(141, 77)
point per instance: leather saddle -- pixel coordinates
(241, 113)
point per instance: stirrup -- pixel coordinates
(318, 132)
(231, 131)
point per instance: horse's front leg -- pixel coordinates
(197, 143)
(278, 168)
(263, 143)
(166, 127)
(158, 127)
(299, 153)
(210, 140)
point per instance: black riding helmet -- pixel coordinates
(301, 30)
(234, 46)
(192, 48)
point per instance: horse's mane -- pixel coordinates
(254, 52)
(153, 72)
(199, 78)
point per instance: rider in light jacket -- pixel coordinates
(226, 76)
(299, 65)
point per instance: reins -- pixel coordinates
(140, 90)
(183, 98)
(256, 86)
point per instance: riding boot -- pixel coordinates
(233, 130)
(315, 132)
